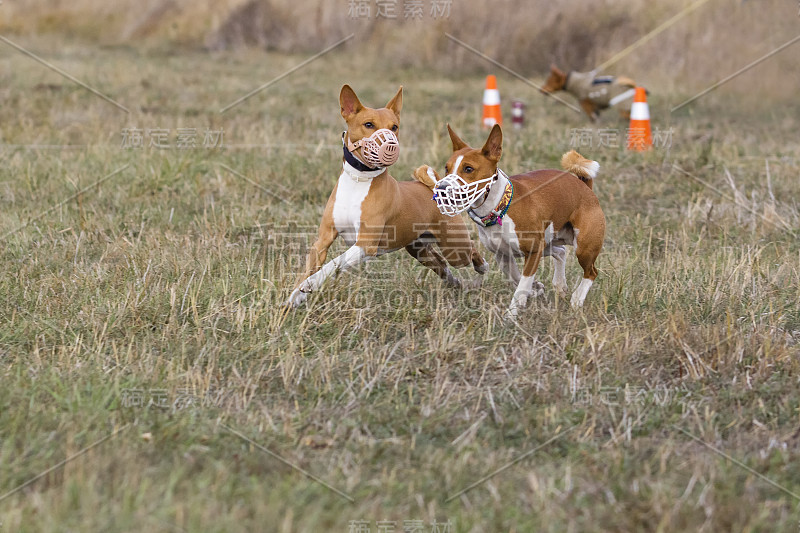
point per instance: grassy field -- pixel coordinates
(162, 285)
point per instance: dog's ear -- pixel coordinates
(396, 103)
(458, 144)
(349, 102)
(493, 148)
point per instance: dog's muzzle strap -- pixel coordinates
(353, 161)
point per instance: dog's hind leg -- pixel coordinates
(528, 286)
(559, 255)
(425, 253)
(588, 244)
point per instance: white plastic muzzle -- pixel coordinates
(453, 195)
(381, 149)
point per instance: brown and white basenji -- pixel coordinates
(594, 93)
(527, 215)
(376, 214)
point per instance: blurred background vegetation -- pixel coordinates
(713, 41)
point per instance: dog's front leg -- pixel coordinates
(354, 256)
(508, 265)
(527, 284)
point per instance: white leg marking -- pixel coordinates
(527, 286)
(559, 271)
(352, 257)
(580, 293)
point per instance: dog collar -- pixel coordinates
(357, 175)
(497, 214)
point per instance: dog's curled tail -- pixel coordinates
(585, 169)
(426, 175)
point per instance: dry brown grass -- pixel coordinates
(387, 386)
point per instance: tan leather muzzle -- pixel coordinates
(381, 149)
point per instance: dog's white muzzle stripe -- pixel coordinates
(453, 195)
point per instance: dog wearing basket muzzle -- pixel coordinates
(527, 215)
(376, 214)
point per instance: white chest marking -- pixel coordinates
(501, 239)
(350, 194)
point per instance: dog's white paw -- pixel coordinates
(511, 314)
(296, 299)
(450, 280)
(519, 301)
(537, 289)
(580, 293)
(561, 290)
(576, 301)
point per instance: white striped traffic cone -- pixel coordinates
(491, 103)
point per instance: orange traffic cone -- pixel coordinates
(640, 137)
(491, 103)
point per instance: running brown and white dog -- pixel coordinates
(527, 215)
(594, 93)
(374, 213)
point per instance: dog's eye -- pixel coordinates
(447, 169)
(394, 128)
(468, 169)
(369, 125)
